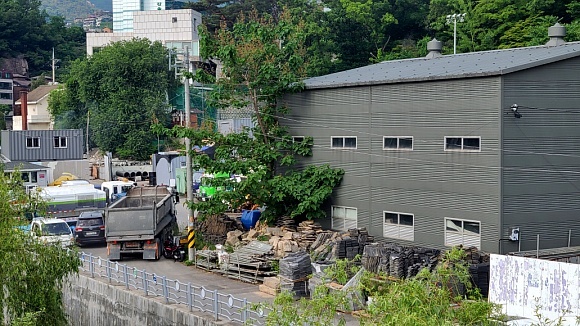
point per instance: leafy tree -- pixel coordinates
(262, 60)
(27, 31)
(122, 89)
(4, 109)
(32, 273)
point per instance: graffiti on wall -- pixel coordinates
(527, 286)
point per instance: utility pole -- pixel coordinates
(53, 63)
(189, 174)
(87, 137)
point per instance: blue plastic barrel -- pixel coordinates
(250, 218)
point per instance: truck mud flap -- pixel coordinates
(113, 251)
(151, 250)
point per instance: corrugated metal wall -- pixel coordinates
(541, 155)
(428, 182)
(14, 145)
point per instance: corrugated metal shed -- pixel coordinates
(474, 64)
(15, 146)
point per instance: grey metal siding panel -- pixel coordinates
(6, 143)
(19, 152)
(428, 182)
(541, 179)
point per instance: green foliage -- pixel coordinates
(342, 270)
(429, 298)
(40, 35)
(122, 88)
(262, 60)
(320, 310)
(32, 273)
(69, 9)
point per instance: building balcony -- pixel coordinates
(40, 118)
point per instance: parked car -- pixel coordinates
(52, 231)
(90, 228)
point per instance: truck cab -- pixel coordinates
(117, 189)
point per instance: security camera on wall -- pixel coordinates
(515, 235)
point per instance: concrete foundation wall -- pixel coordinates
(91, 302)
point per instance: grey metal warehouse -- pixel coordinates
(472, 149)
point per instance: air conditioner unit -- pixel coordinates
(515, 234)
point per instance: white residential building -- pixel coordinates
(123, 11)
(176, 29)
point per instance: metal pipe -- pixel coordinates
(569, 237)
(538, 247)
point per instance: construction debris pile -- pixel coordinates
(216, 227)
(398, 261)
(305, 248)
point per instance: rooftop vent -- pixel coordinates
(434, 47)
(556, 34)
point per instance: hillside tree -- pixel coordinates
(122, 91)
(32, 272)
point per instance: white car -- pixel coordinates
(52, 230)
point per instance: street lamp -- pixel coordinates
(455, 18)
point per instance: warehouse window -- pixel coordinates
(398, 143)
(343, 218)
(399, 226)
(468, 144)
(342, 142)
(32, 142)
(462, 232)
(297, 139)
(59, 142)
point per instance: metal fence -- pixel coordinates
(221, 306)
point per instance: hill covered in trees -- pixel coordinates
(69, 9)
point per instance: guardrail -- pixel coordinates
(220, 305)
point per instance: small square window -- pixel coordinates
(60, 142)
(32, 142)
(297, 139)
(461, 232)
(399, 226)
(398, 143)
(343, 142)
(174, 19)
(467, 144)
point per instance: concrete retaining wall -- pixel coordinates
(89, 302)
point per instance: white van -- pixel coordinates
(52, 231)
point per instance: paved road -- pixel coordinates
(178, 271)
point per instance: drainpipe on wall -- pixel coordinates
(24, 109)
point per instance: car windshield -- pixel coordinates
(56, 229)
(90, 222)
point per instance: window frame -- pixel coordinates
(448, 244)
(32, 142)
(343, 142)
(60, 139)
(332, 217)
(399, 226)
(295, 139)
(462, 149)
(398, 138)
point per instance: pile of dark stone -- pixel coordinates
(398, 261)
(295, 269)
(331, 246)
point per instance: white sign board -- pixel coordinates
(526, 285)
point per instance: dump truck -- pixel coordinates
(140, 222)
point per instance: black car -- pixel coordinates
(90, 228)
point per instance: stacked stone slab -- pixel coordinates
(295, 269)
